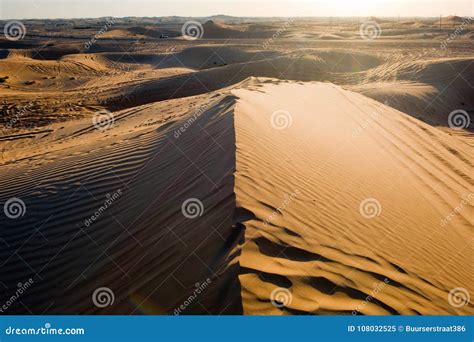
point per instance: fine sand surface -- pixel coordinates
(323, 172)
(341, 149)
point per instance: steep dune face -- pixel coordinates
(268, 197)
(345, 198)
(144, 208)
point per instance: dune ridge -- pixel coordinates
(281, 207)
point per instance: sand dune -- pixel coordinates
(427, 89)
(309, 236)
(340, 149)
(71, 172)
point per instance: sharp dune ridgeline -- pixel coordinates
(268, 167)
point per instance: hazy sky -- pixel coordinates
(20, 9)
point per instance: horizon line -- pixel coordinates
(244, 17)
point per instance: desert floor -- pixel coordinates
(267, 167)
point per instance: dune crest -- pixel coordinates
(279, 172)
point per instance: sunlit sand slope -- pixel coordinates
(345, 201)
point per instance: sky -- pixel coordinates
(22, 9)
